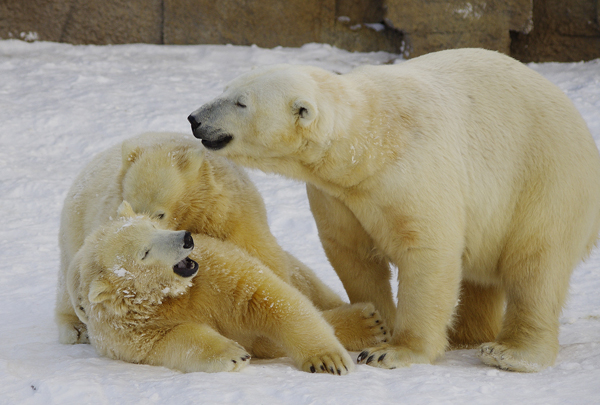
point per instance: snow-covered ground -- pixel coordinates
(61, 104)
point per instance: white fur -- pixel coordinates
(471, 173)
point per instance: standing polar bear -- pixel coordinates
(471, 173)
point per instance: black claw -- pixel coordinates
(339, 372)
(370, 359)
(362, 356)
(331, 369)
(312, 369)
(382, 357)
(235, 362)
(322, 367)
(346, 368)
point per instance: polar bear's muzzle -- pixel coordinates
(212, 138)
(186, 268)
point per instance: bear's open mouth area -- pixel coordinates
(218, 143)
(186, 268)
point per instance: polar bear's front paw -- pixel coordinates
(70, 334)
(357, 326)
(331, 363)
(233, 358)
(390, 357)
(506, 358)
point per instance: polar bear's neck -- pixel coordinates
(356, 143)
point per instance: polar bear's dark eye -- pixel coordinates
(145, 254)
(240, 104)
(160, 216)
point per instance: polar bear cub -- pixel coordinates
(470, 172)
(175, 180)
(146, 297)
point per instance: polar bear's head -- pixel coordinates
(132, 259)
(162, 179)
(270, 112)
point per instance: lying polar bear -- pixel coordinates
(175, 180)
(467, 170)
(146, 297)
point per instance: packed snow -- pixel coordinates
(61, 104)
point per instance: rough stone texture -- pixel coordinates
(531, 30)
(113, 22)
(33, 19)
(82, 21)
(361, 11)
(433, 25)
(268, 24)
(564, 31)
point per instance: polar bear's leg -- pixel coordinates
(356, 325)
(307, 282)
(536, 287)
(70, 328)
(351, 251)
(478, 315)
(429, 282)
(190, 347)
(287, 318)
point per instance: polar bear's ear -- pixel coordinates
(189, 159)
(129, 154)
(125, 210)
(100, 290)
(304, 111)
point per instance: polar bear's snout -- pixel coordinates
(186, 267)
(194, 122)
(212, 138)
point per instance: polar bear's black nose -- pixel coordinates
(188, 241)
(194, 122)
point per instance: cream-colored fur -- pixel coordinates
(139, 309)
(172, 178)
(467, 170)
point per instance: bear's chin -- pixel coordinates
(218, 143)
(186, 268)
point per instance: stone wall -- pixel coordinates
(564, 30)
(434, 25)
(527, 29)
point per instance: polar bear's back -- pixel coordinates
(90, 200)
(515, 143)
